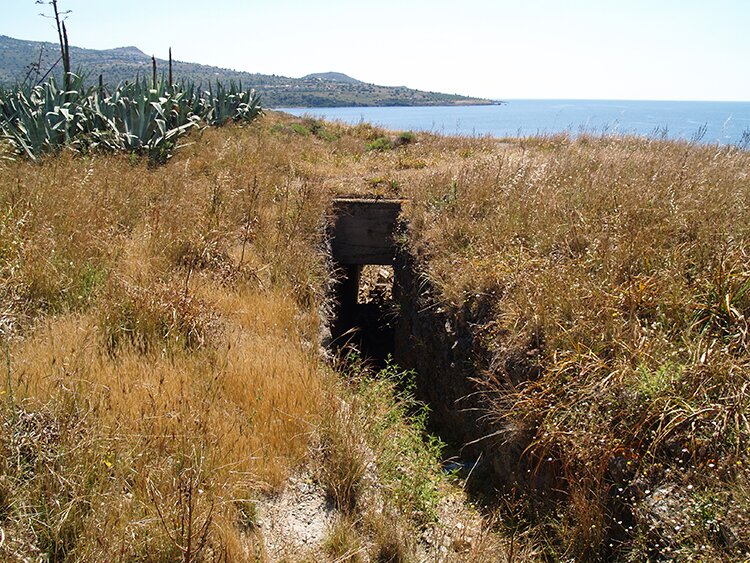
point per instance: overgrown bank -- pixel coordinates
(596, 293)
(161, 326)
(161, 374)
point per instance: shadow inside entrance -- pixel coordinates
(363, 252)
(366, 315)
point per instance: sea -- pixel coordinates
(704, 122)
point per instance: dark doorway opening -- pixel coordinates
(366, 317)
(362, 248)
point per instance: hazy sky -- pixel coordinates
(591, 49)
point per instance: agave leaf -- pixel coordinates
(135, 116)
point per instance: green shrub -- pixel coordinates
(379, 144)
(300, 129)
(408, 458)
(405, 138)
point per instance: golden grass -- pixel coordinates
(619, 268)
(161, 328)
(170, 315)
(161, 325)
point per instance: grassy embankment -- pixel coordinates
(163, 353)
(161, 370)
(618, 269)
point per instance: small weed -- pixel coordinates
(405, 138)
(90, 281)
(447, 200)
(407, 456)
(300, 129)
(319, 129)
(342, 542)
(708, 511)
(186, 513)
(344, 458)
(205, 254)
(6, 494)
(379, 145)
(389, 545)
(723, 311)
(248, 513)
(408, 163)
(367, 131)
(658, 382)
(327, 135)
(381, 186)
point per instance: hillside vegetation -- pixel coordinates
(17, 58)
(162, 372)
(139, 117)
(615, 273)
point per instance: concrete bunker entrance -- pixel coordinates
(385, 305)
(363, 253)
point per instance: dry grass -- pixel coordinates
(160, 341)
(161, 345)
(343, 543)
(619, 267)
(161, 329)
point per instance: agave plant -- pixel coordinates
(137, 117)
(43, 118)
(232, 103)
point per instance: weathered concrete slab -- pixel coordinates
(363, 230)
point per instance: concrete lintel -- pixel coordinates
(363, 230)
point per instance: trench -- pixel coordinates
(362, 247)
(385, 306)
(384, 303)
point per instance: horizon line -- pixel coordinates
(555, 99)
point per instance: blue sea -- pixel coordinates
(706, 122)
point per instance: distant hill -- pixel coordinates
(335, 76)
(19, 59)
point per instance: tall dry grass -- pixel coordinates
(160, 340)
(159, 333)
(618, 269)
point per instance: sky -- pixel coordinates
(501, 49)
